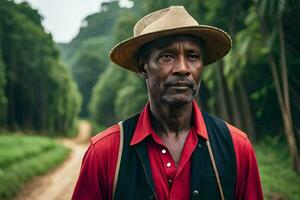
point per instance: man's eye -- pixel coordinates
(194, 57)
(166, 58)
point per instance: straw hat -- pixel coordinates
(165, 22)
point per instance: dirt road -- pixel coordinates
(59, 183)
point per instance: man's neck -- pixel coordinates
(167, 119)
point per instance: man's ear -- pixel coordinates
(142, 64)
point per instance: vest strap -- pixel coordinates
(211, 156)
(119, 159)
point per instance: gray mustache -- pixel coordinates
(179, 81)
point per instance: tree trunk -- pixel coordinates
(234, 105)
(282, 91)
(223, 109)
(11, 107)
(247, 115)
(284, 68)
(288, 123)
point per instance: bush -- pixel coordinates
(275, 165)
(22, 157)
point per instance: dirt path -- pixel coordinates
(59, 183)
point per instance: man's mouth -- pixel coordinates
(181, 85)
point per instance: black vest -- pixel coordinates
(135, 180)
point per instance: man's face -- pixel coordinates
(173, 68)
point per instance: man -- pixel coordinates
(172, 149)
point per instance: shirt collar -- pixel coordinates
(144, 128)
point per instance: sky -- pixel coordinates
(62, 18)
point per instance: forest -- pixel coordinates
(255, 87)
(46, 87)
(36, 90)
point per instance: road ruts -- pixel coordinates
(59, 183)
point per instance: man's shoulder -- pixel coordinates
(235, 132)
(110, 134)
(239, 138)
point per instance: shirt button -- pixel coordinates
(170, 181)
(168, 164)
(163, 151)
(195, 192)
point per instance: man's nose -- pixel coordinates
(181, 66)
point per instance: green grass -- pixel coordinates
(275, 165)
(23, 157)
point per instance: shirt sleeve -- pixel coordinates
(248, 185)
(88, 184)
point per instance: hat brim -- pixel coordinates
(217, 44)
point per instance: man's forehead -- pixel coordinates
(166, 42)
(170, 41)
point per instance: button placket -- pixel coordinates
(169, 165)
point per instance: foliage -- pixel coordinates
(131, 97)
(277, 176)
(3, 100)
(22, 157)
(111, 100)
(243, 73)
(102, 104)
(39, 90)
(87, 54)
(86, 70)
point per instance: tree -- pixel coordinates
(87, 54)
(280, 78)
(134, 87)
(86, 70)
(103, 96)
(108, 88)
(40, 92)
(3, 100)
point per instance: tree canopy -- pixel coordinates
(255, 87)
(36, 90)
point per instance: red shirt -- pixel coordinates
(170, 181)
